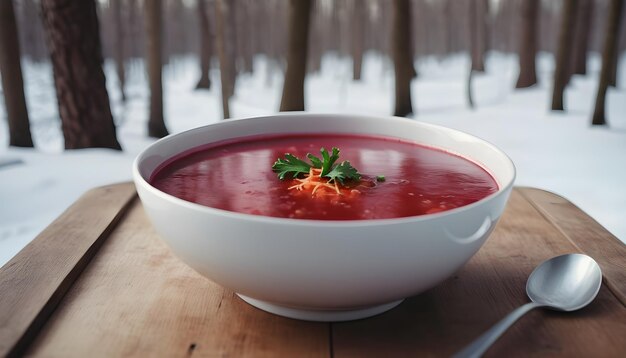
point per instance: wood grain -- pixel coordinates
(37, 278)
(137, 299)
(586, 234)
(446, 318)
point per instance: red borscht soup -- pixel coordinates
(397, 178)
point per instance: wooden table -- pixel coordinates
(99, 282)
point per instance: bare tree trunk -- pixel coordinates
(528, 51)
(357, 39)
(32, 41)
(274, 35)
(174, 40)
(613, 71)
(241, 27)
(485, 26)
(132, 29)
(317, 39)
(412, 37)
(226, 43)
(249, 28)
(609, 52)
(224, 62)
(293, 89)
(205, 46)
(584, 13)
(478, 33)
(120, 40)
(447, 26)
(74, 41)
(423, 32)
(12, 82)
(563, 55)
(549, 19)
(402, 57)
(154, 51)
(231, 42)
(512, 32)
(474, 50)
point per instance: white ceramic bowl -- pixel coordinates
(330, 270)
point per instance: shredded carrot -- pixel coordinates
(314, 180)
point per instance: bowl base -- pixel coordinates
(320, 315)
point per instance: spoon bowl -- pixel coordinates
(563, 283)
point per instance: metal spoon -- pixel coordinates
(564, 283)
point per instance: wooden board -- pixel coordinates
(132, 297)
(493, 283)
(37, 278)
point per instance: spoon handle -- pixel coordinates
(482, 343)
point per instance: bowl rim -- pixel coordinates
(141, 181)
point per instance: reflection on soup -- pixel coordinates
(398, 178)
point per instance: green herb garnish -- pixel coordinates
(295, 167)
(343, 171)
(290, 165)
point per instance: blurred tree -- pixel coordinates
(12, 82)
(613, 71)
(120, 41)
(154, 51)
(609, 52)
(381, 24)
(528, 44)
(225, 63)
(473, 50)
(478, 10)
(402, 57)
(135, 30)
(73, 39)
(613, 67)
(448, 27)
(317, 32)
(358, 28)
(275, 31)
(582, 33)
(205, 46)
(231, 41)
(293, 88)
(31, 31)
(615, 58)
(503, 31)
(174, 40)
(563, 55)
(241, 26)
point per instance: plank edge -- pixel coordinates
(524, 191)
(18, 346)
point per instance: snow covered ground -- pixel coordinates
(559, 152)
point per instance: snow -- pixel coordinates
(556, 151)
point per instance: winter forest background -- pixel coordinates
(544, 80)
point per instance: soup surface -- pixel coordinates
(238, 177)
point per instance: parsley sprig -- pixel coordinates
(290, 165)
(293, 166)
